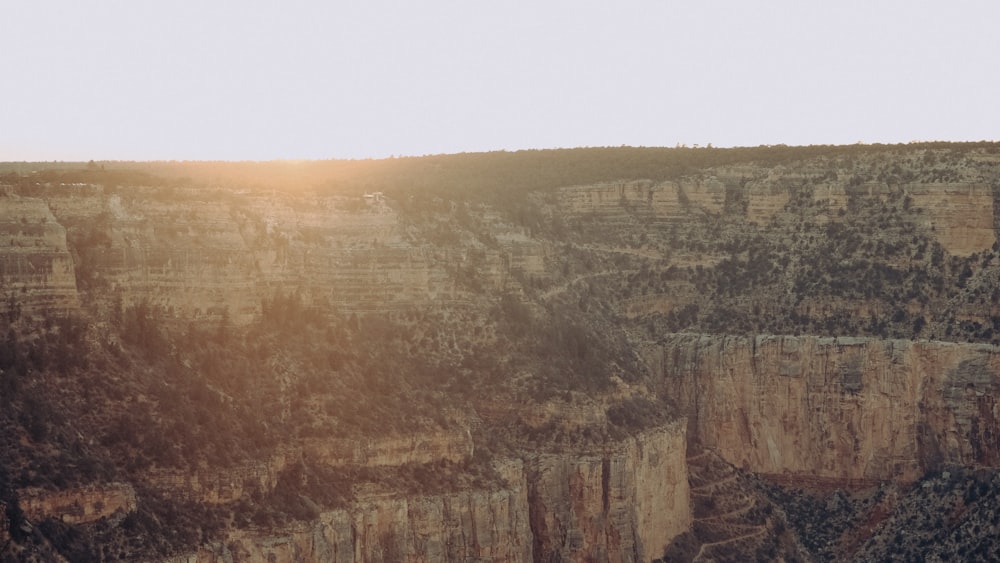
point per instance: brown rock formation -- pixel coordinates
(667, 200)
(34, 254)
(960, 214)
(223, 486)
(837, 408)
(623, 505)
(78, 506)
(477, 525)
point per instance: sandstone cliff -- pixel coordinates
(198, 255)
(261, 477)
(34, 254)
(622, 505)
(479, 525)
(78, 506)
(849, 409)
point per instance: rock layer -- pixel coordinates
(836, 408)
(78, 506)
(475, 525)
(623, 505)
(34, 255)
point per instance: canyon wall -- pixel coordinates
(474, 525)
(622, 505)
(80, 505)
(34, 255)
(960, 215)
(847, 409)
(199, 254)
(666, 200)
(261, 477)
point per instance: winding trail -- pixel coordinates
(701, 552)
(562, 288)
(730, 514)
(712, 478)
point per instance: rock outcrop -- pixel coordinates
(472, 525)
(78, 506)
(961, 215)
(624, 504)
(621, 505)
(666, 200)
(34, 255)
(844, 409)
(224, 486)
(198, 256)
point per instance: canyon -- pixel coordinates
(557, 373)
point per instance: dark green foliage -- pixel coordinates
(142, 326)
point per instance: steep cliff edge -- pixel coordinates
(480, 525)
(843, 409)
(34, 256)
(622, 505)
(79, 506)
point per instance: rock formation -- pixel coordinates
(623, 505)
(481, 525)
(78, 506)
(847, 409)
(34, 255)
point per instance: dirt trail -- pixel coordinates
(559, 289)
(704, 546)
(710, 476)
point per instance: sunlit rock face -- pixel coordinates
(622, 505)
(36, 267)
(850, 409)
(198, 255)
(480, 525)
(962, 215)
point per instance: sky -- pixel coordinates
(255, 80)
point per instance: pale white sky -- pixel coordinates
(213, 79)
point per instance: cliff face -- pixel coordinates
(836, 408)
(78, 506)
(667, 200)
(624, 505)
(199, 255)
(218, 487)
(479, 525)
(34, 254)
(961, 214)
